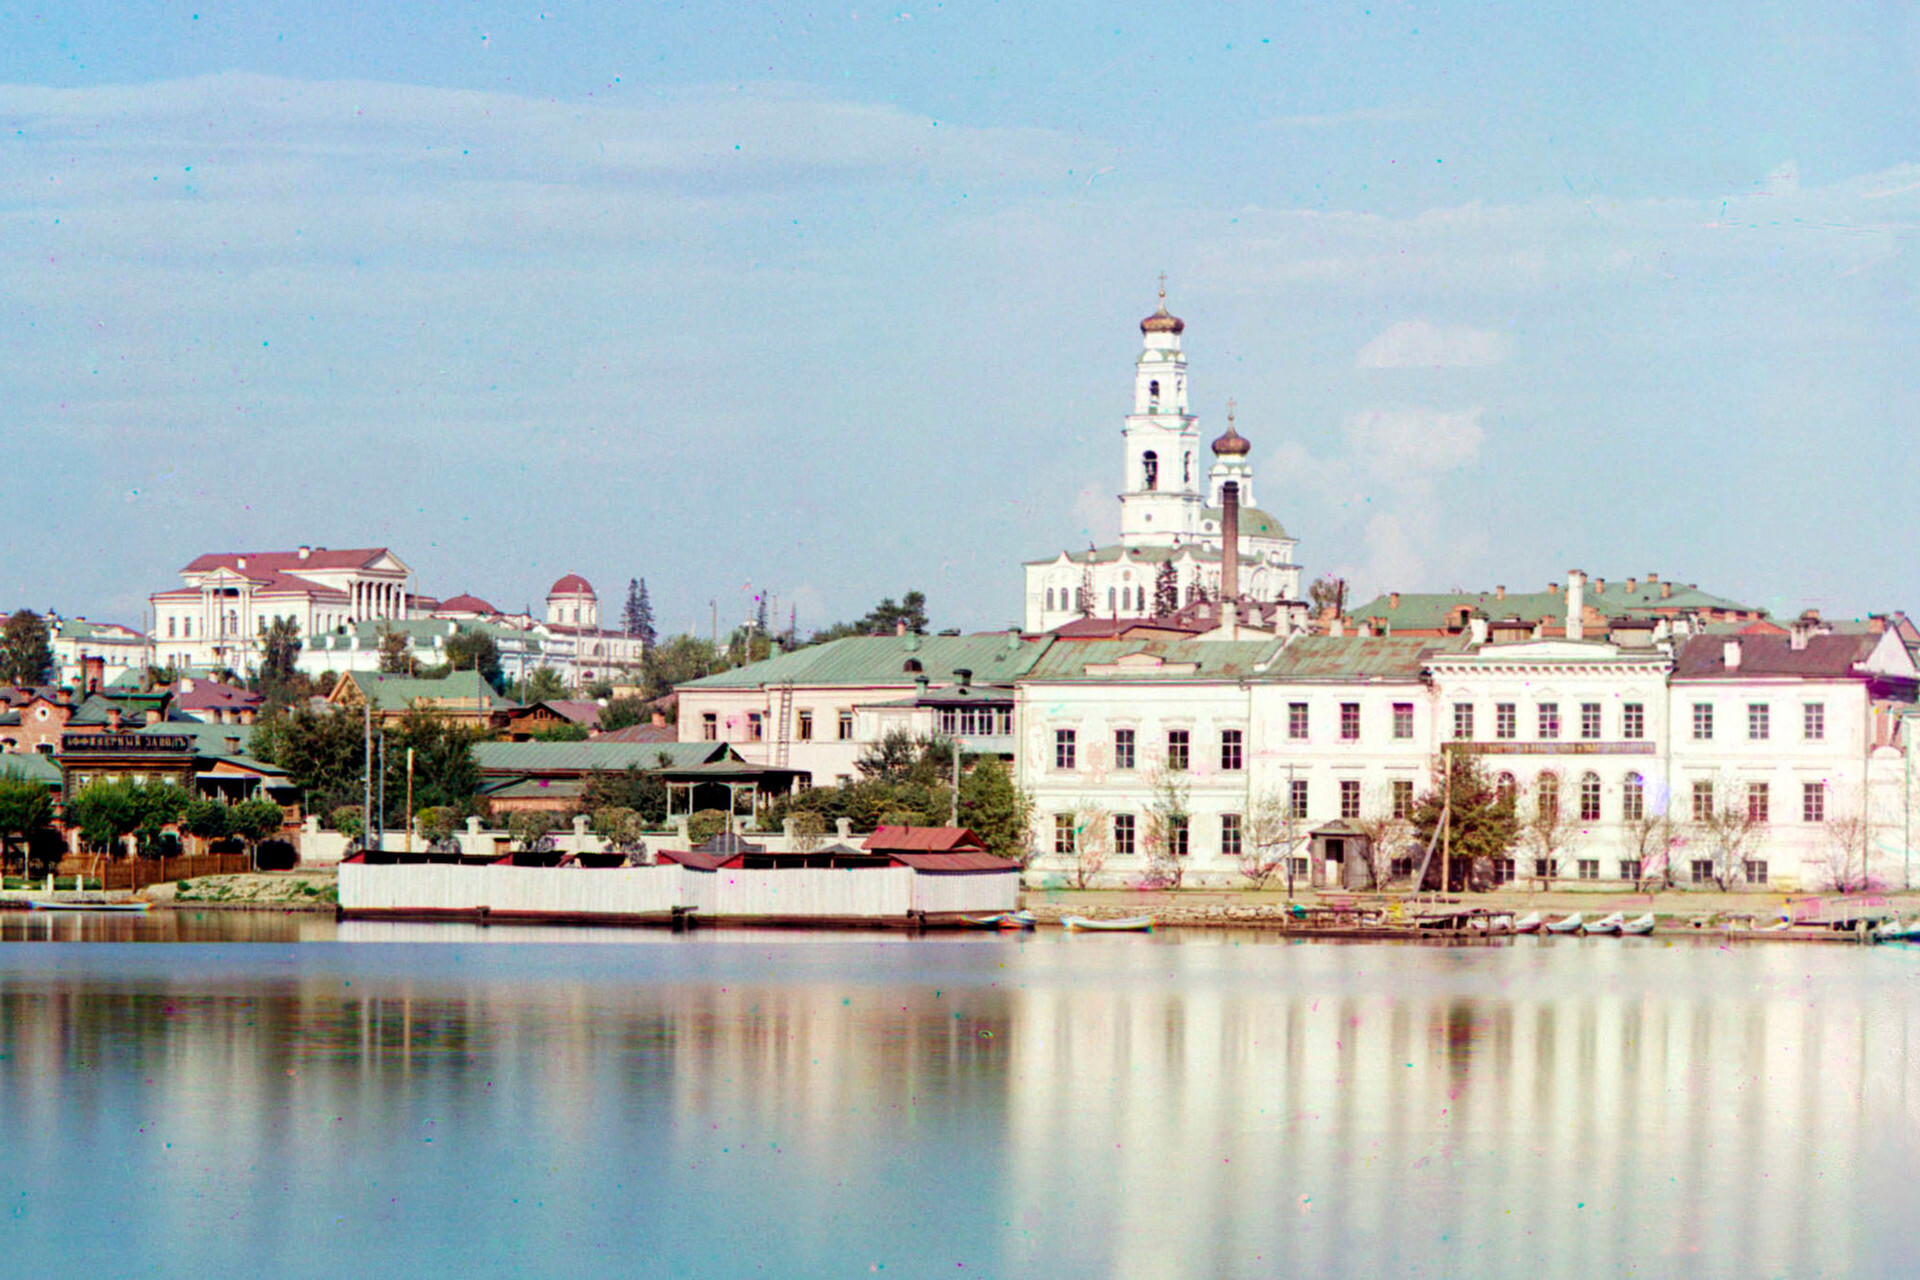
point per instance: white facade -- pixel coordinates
(1169, 511)
(216, 618)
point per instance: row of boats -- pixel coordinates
(1014, 920)
(1614, 925)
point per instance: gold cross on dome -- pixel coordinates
(1163, 286)
(1229, 411)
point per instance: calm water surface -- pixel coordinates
(277, 1095)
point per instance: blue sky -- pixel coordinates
(835, 303)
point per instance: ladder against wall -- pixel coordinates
(783, 725)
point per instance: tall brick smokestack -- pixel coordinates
(1229, 542)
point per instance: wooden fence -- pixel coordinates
(137, 873)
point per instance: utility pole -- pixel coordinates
(409, 799)
(366, 771)
(1446, 830)
(953, 802)
(382, 837)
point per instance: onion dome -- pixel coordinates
(1161, 321)
(571, 585)
(1232, 444)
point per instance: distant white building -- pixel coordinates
(1171, 513)
(573, 641)
(228, 599)
(74, 640)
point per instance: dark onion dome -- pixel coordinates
(571, 585)
(1161, 322)
(1232, 444)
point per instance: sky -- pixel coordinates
(838, 303)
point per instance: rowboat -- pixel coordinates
(1638, 926)
(1569, 925)
(1018, 920)
(1528, 923)
(1607, 924)
(1131, 924)
(1897, 931)
(983, 922)
(54, 904)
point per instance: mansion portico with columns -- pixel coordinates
(214, 619)
(1170, 513)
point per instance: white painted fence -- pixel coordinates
(977, 893)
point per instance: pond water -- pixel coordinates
(278, 1095)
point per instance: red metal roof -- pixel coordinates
(464, 603)
(285, 561)
(969, 860)
(1825, 657)
(572, 584)
(923, 840)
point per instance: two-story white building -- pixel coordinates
(215, 619)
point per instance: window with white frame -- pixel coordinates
(1401, 792)
(1177, 836)
(1589, 721)
(1297, 798)
(844, 726)
(1463, 721)
(1402, 721)
(1505, 722)
(709, 726)
(1179, 742)
(1702, 721)
(804, 721)
(1123, 743)
(1755, 870)
(1123, 835)
(1349, 722)
(1590, 800)
(1063, 841)
(1702, 800)
(1549, 721)
(1813, 802)
(1757, 802)
(1297, 721)
(1633, 800)
(1546, 796)
(1349, 797)
(1629, 868)
(1759, 726)
(1589, 868)
(1633, 721)
(1066, 746)
(1229, 835)
(1813, 721)
(756, 726)
(1230, 744)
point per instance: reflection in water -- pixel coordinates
(1182, 1105)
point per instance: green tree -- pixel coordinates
(26, 652)
(472, 650)
(705, 824)
(542, 684)
(567, 732)
(622, 713)
(323, 752)
(26, 806)
(396, 653)
(445, 771)
(106, 813)
(1166, 590)
(279, 651)
(629, 788)
(639, 613)
(883, 619)
(533, 830)
(678, 660)
(348, 821)
(1480, 820)
(208, 819)
(620, 828)
(999, 812)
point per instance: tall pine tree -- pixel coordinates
(26, 657)
(639, 612)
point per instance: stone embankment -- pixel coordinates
(299, 890)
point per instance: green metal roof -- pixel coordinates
(1215, 659)
(1430, 610)
(582, 757)
(397, 693)
(1146, 555)
(208, 739)
(132, 706)
(32, 766)
(883, 660)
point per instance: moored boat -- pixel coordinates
(994, 921)
(1018, 920)
(1528, 923)
(1569, 925)
(1639, 926)
(56, 904)
(1128, 924)
(1608, 923)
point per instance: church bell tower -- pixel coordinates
(1160, 503)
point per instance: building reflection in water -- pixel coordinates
(1182, 1105)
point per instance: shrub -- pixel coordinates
(436, 824)
(346, 820)
(276, 855)
(705, 824)
(530, 830)
(620, 828)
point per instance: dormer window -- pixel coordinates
(912, 667)
(1150, 468)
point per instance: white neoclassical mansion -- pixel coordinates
(1171, 509)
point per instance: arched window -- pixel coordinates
(912, 667)
(1633, 806)
(1150, 469)
(1504, 788)
(1111, 606)
(1546, 797)
(1049, 599)
(1186, 470)
(1589, 797)
(1153, 392)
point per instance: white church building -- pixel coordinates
(1170, 513)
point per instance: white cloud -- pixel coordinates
(1405, 447)
(1097, 515)
(1416, 344)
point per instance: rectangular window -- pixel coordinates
(1177, 837)
(1402, 721)
(1463, 721)
(1349, 722)
(1633, 721)
(1589, 868)
(1065, 748)
(1633, 798)
(1757, 802)
(805, 730)
(1504, 720)
(1297, 798)
(1543, 868)
(1063, 833)
(1702, 871)
(1402, 797)
(1177, 755)
(756, 726)
(1590, 797)
(1123, 748)
(1702, 721)
(1502, 870)
(1003, 722)
(1297, 721)
(1813, 721)
(1702, 801)
(1230, 749)
(1756, 871)
(1813, 802)
(1590, 721)
(709, 726)
(1630, 869)
(172, 624)
(1549, 721)
(1123, 845)
(1349, 797)
(949, 721)
(845, 727)
(1229, 835)
(1759, 728)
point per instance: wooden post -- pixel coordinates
(1446, 828)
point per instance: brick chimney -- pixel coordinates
(1230, 542)
(1393, 600)
(96, 673)
(1633, 584)
(113, 719)
(1666, 588)
(1500, 592)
